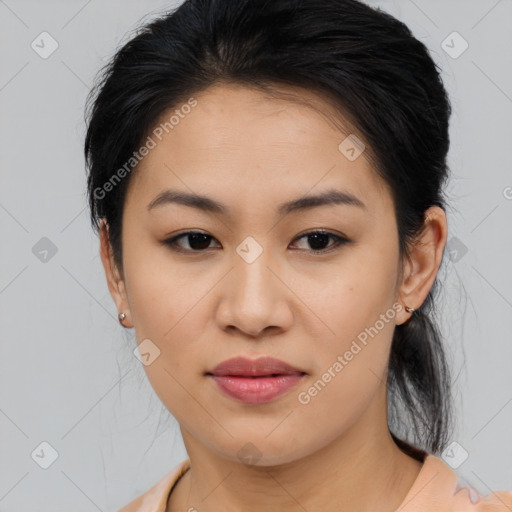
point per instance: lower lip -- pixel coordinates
(256, 390)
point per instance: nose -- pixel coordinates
(255, 298)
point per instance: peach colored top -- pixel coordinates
(437, 488)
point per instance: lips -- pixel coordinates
(262, 367)
(255, 381)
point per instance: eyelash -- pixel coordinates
(339, 240)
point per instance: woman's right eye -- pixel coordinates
(195, 240)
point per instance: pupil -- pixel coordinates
(316, 237)
(198, 238)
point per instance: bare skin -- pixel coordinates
(252, 152)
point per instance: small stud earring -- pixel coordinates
(122, 316)
(409, 310)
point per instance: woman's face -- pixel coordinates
(256, 285)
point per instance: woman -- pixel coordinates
(267, 181)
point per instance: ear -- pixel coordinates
(115, 280)
(424, 259)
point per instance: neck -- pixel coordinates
(363, 470)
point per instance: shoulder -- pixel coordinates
(438, 487)
(155, 498)
(496, 501)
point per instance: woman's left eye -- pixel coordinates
(201, 241)
(319, 238)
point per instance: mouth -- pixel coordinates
(255, 381)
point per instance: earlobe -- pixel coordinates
(424, 259)
(114, 278)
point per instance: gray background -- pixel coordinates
(68, 375)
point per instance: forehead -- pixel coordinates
(245, 143)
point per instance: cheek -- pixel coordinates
(355, 293)
(168, 308)
(162, 294)
(357, 306)
(350, 374)
(171, 312)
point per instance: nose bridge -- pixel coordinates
(252, 299)
(252, 275)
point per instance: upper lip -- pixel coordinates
(242, 366)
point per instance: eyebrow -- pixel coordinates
(206, 204)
